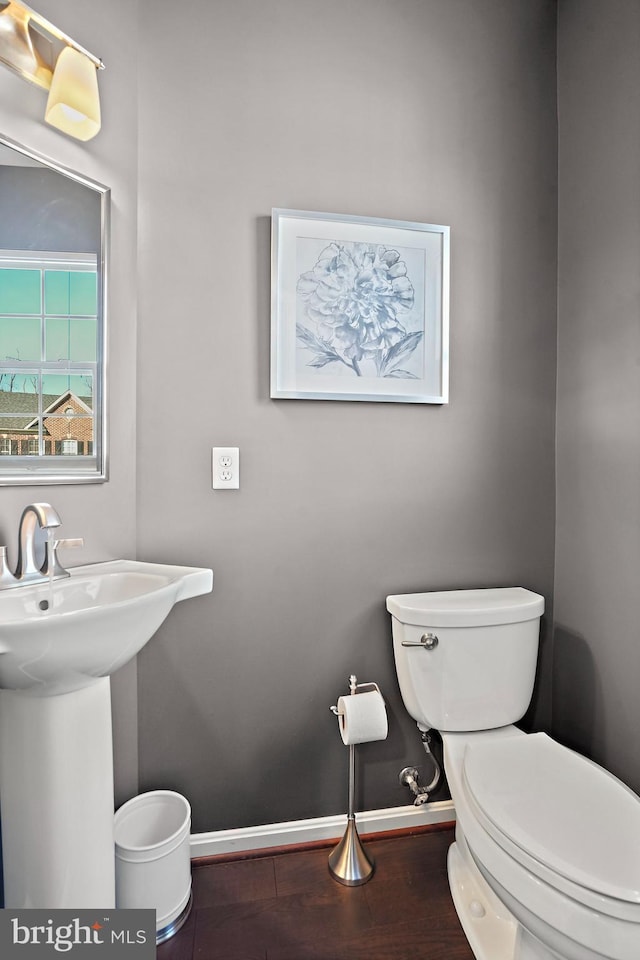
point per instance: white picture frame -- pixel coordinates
(359, 308)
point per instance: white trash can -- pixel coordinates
(153, 862)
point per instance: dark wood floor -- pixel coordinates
(287, 907)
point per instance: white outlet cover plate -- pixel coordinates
(225, 468)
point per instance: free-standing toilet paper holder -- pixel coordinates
(349, 863)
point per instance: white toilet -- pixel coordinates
(546, 861)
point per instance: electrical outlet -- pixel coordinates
(225, 464)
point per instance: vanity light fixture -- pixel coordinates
(74, 102)
(42, 54)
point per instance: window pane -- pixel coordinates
(72, 433)
(20, 338)
(71, 292)
(56, 385)
(67, 447)
(83, 293)
(19, 291)
(19, 394)
(71, 339)
(69, 421)
(18, 436)
(56, 291)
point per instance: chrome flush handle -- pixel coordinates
(428, 641)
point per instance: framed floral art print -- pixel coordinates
(359, 308)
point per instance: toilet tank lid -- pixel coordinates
(466, 608)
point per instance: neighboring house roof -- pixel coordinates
(67, 397)
(19, 407)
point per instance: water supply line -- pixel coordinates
(409, 776)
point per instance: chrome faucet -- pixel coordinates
(35, 517)
(37, 552)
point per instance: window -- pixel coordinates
(50, 353)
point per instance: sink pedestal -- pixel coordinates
(59, 644)
(56, 798)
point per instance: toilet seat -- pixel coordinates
(564, 818)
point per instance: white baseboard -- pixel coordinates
(293, 832)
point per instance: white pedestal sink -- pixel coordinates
(59, 644)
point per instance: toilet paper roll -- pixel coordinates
(362, 718)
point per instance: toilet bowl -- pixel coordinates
(546, 859)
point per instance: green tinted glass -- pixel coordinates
(20, 338)
(71, 293)
(56, 291)
(71, 339)
(55, 384)
(19, 291)
(83, 294)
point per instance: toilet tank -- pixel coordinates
(478, 672)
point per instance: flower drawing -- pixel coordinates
(354, 297)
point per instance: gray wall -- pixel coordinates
(433, 111)
(597, 600)
(43, 210)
